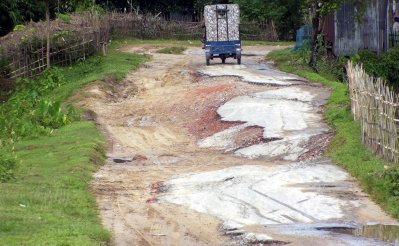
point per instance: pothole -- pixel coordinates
(386, 233)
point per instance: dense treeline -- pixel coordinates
(286, 14)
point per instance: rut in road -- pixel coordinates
(216, 155)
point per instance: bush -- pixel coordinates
(370, 61)
(18, 27)
(390, 66)
(333, 66)
(29, 112)
(64, 17)
(385, 65)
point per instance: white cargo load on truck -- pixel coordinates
(222, 22)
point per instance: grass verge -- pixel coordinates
(185, 43)
(378, 178)
(48, 202)
(172, 50)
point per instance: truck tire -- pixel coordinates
(239, 58)
(208, 58)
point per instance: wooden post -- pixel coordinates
(48, 33)
(104, 48)
(397, 8)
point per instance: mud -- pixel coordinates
(219, 155)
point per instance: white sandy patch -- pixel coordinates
(222, 140)
(285, 113)
(289, 148)
(248, 195)
(245, 74)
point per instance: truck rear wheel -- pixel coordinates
(239, 58)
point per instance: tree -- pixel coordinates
(286, 14)
(318, 10)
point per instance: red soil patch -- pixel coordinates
(317, 145)
(205, 91)
(205, 102)
(209, 123)
(156, 188)
(249, 136)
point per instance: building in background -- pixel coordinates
(344, 35)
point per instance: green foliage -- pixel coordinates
(370, 61)
(390, 66)
(172, 50)
(48, 201)
(333, 66)
(302, 54)
(29, 112)
(64, 17)
(63, 34)
(383, 65)
(391, 177)
(84, 6)
(3, 64)
(19, 27)
(346, 147)
(286, 14)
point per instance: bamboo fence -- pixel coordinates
(24, 52)
(375, 105)
(148, 26)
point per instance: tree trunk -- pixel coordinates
(314, 41)
(48, 33)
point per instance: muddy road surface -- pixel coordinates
(222, 155)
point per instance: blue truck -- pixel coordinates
(222, 35)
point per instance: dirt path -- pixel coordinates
(220, 155)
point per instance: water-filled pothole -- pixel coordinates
(386, 233)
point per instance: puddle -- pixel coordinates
(341, 233)
(386, 233)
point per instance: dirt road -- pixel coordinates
(221, 155)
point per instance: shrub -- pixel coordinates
(64, 17)
(19, 27)
(370, 61)
(29, 112)
(390, 66)
(385, 65)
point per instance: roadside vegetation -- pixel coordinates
(48, 154)
(172, 50)
(384, 65)
(378, 178)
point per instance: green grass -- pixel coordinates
(172, 50)
(167, 42)
(197, 43)
(271, 43)
(48, 202)
(380, 179)
(95, 68)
